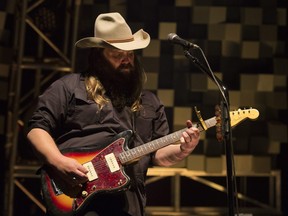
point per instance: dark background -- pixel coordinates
(245, 43)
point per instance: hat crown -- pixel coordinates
(112, 26)
(112, 31)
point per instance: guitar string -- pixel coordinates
(136, 152)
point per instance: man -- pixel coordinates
(88, 110)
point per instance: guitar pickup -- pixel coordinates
(112, 162)
(203, 124)
(92, 175)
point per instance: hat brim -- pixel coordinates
(141, 40)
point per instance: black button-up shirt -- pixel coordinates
(76, 122)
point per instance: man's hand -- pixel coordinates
(189, 139)
(71, 171)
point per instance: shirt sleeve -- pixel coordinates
(160, 123)
(51, 108)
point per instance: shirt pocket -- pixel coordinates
(82, 112)
(144, 123)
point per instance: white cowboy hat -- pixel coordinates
(112, 31)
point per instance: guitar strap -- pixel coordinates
(134, 129)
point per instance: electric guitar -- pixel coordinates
(106, 167)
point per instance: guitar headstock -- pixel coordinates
(235, 118)
(241, 114)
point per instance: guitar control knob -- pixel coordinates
(84, 194)
(94, 187)
(120, 182)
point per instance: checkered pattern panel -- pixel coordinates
(245, 47)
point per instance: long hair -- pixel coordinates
(95, 88)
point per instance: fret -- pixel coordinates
(124, 156)
(150, 146)
(127, 153)
(146, 148)
(136, 153)
(139, 152)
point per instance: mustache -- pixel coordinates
(126, 66)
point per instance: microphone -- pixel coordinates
(174, 38)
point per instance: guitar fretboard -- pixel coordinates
(139, 151)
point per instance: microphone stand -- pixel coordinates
(226, 128)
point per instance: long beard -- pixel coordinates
(121, 87)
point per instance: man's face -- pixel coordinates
(120, 60)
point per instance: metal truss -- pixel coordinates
(44, 56)
(271, 208)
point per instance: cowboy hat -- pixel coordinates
(112, 31)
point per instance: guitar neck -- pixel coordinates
(139, 151)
